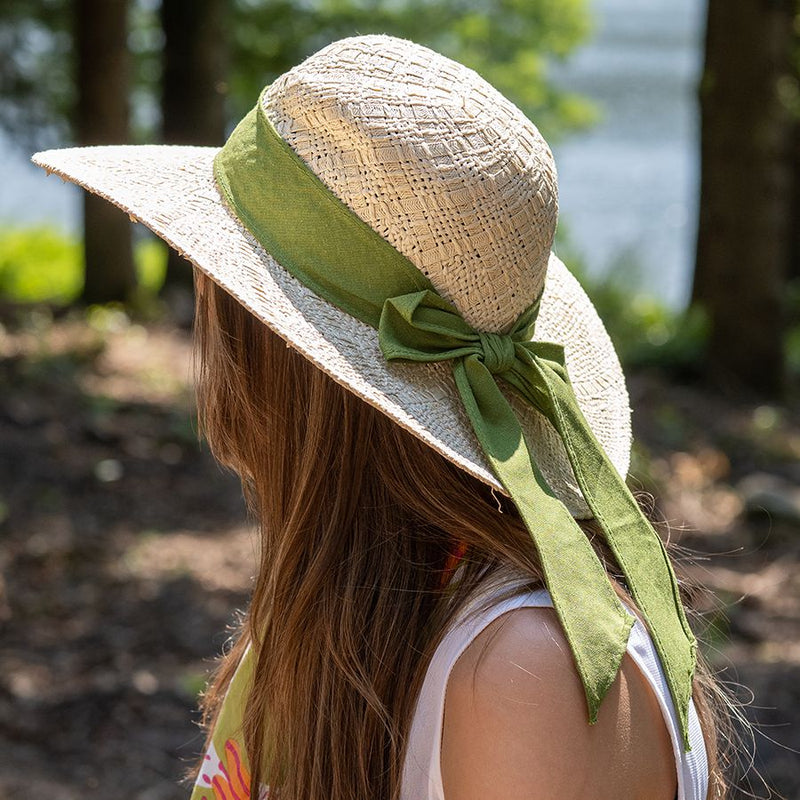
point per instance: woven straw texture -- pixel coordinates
(433, 158)
(449, 172)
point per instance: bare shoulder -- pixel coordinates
(516, 723)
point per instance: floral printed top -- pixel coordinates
(225, 773)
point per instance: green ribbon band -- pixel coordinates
(326, 246)
(424, 327)
(310, 232)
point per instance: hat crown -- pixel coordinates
(435, 160)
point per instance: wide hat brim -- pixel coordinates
(171, 189)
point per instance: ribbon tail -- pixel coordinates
(594, 620)
(637, 548)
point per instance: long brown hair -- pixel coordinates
(357, 518)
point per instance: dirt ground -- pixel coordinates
(125, 553)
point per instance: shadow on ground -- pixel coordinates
(125, 553)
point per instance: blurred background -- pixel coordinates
(125, 552)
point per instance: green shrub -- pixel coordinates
(150, 255)
(39, 264)
(42, 264)
(645, 331)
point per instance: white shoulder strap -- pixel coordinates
(422, 776)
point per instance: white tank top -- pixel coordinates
(422, 776)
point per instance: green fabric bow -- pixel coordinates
(323, 244)
(422, 326)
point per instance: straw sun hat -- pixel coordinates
(391, 216)
(451, 174)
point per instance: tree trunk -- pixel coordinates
(102, 118)
(193, 90)
(794, 251)
(744, 231)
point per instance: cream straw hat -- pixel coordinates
(421, 204)
(444, 168)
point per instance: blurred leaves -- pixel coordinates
(508, 42)
(37, 91)
(646, 332)
(41, 264)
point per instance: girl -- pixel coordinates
(429, 617)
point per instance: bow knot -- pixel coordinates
(423, 326)
(498, 351)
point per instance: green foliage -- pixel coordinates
(792, 298)
(37, 92)
(145, 42)
(150, 255)
(645, 331)
(39, 264)
(42, 264)
(508, 42)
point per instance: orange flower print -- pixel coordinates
(230, 781)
